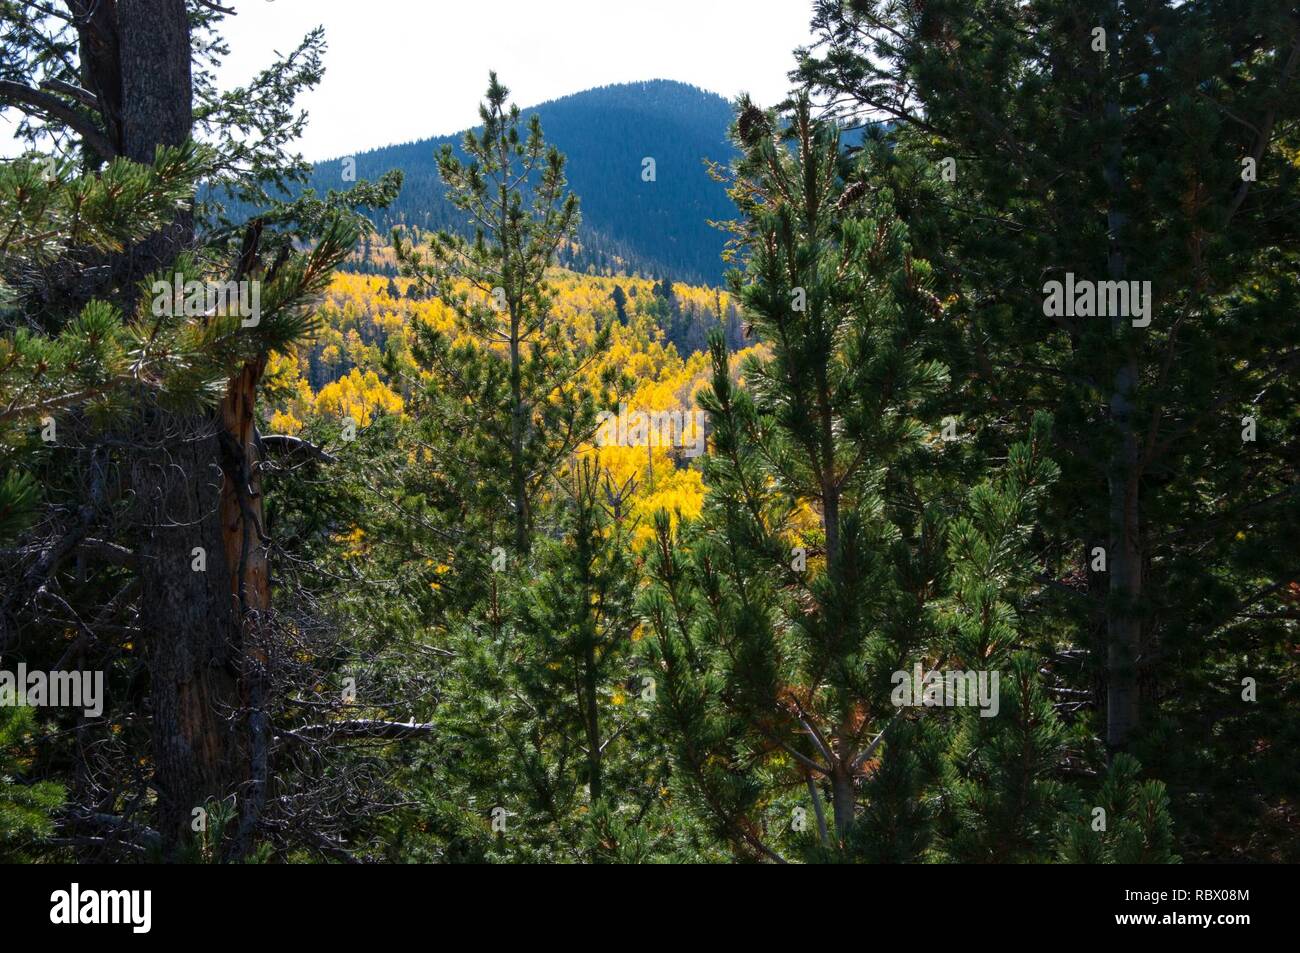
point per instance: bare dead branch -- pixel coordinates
(47, 106)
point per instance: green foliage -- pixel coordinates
(552, 720)
(897, 823)
(1166, 159)
(606, 132)
(18, 497)
(50, 208)
(509, 398)
(1138, 828)
(1000, 797)
(26, 807)
(100, 358)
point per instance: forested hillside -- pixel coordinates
(495, 507)
(658, 227)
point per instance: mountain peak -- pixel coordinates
(630, 220)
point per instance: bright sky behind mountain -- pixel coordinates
(399, 70)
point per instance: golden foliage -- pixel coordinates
(363, 318)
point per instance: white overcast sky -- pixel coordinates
(398, 70)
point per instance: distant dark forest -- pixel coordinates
(656, 228)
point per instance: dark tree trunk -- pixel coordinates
(156, 110)
(157, 91)
(197, 485)
(187, 618)
(1123, 622)
(248, 581)
(844, 795)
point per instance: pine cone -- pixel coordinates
(753, 126)
(851, 195)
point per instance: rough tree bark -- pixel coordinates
(197, 483)
(1124, 557)
(187, 618)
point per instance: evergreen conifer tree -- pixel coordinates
(26, 809)
(509, 396)
(160, 461)
(806, 583)
(1125, 150)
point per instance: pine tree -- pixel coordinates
(1122, 142)
(576, 615)
(508, 397)
(806, 582)
(1001, 796)
(174, 395)
(549, 723)
(94, 357)
(1000, 792)
(1130, 823)
(535, 606)
(26, 809)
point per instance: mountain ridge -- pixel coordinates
(525, 111)
(658, 227)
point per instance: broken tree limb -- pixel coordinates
(365, 729)
(285, 445)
